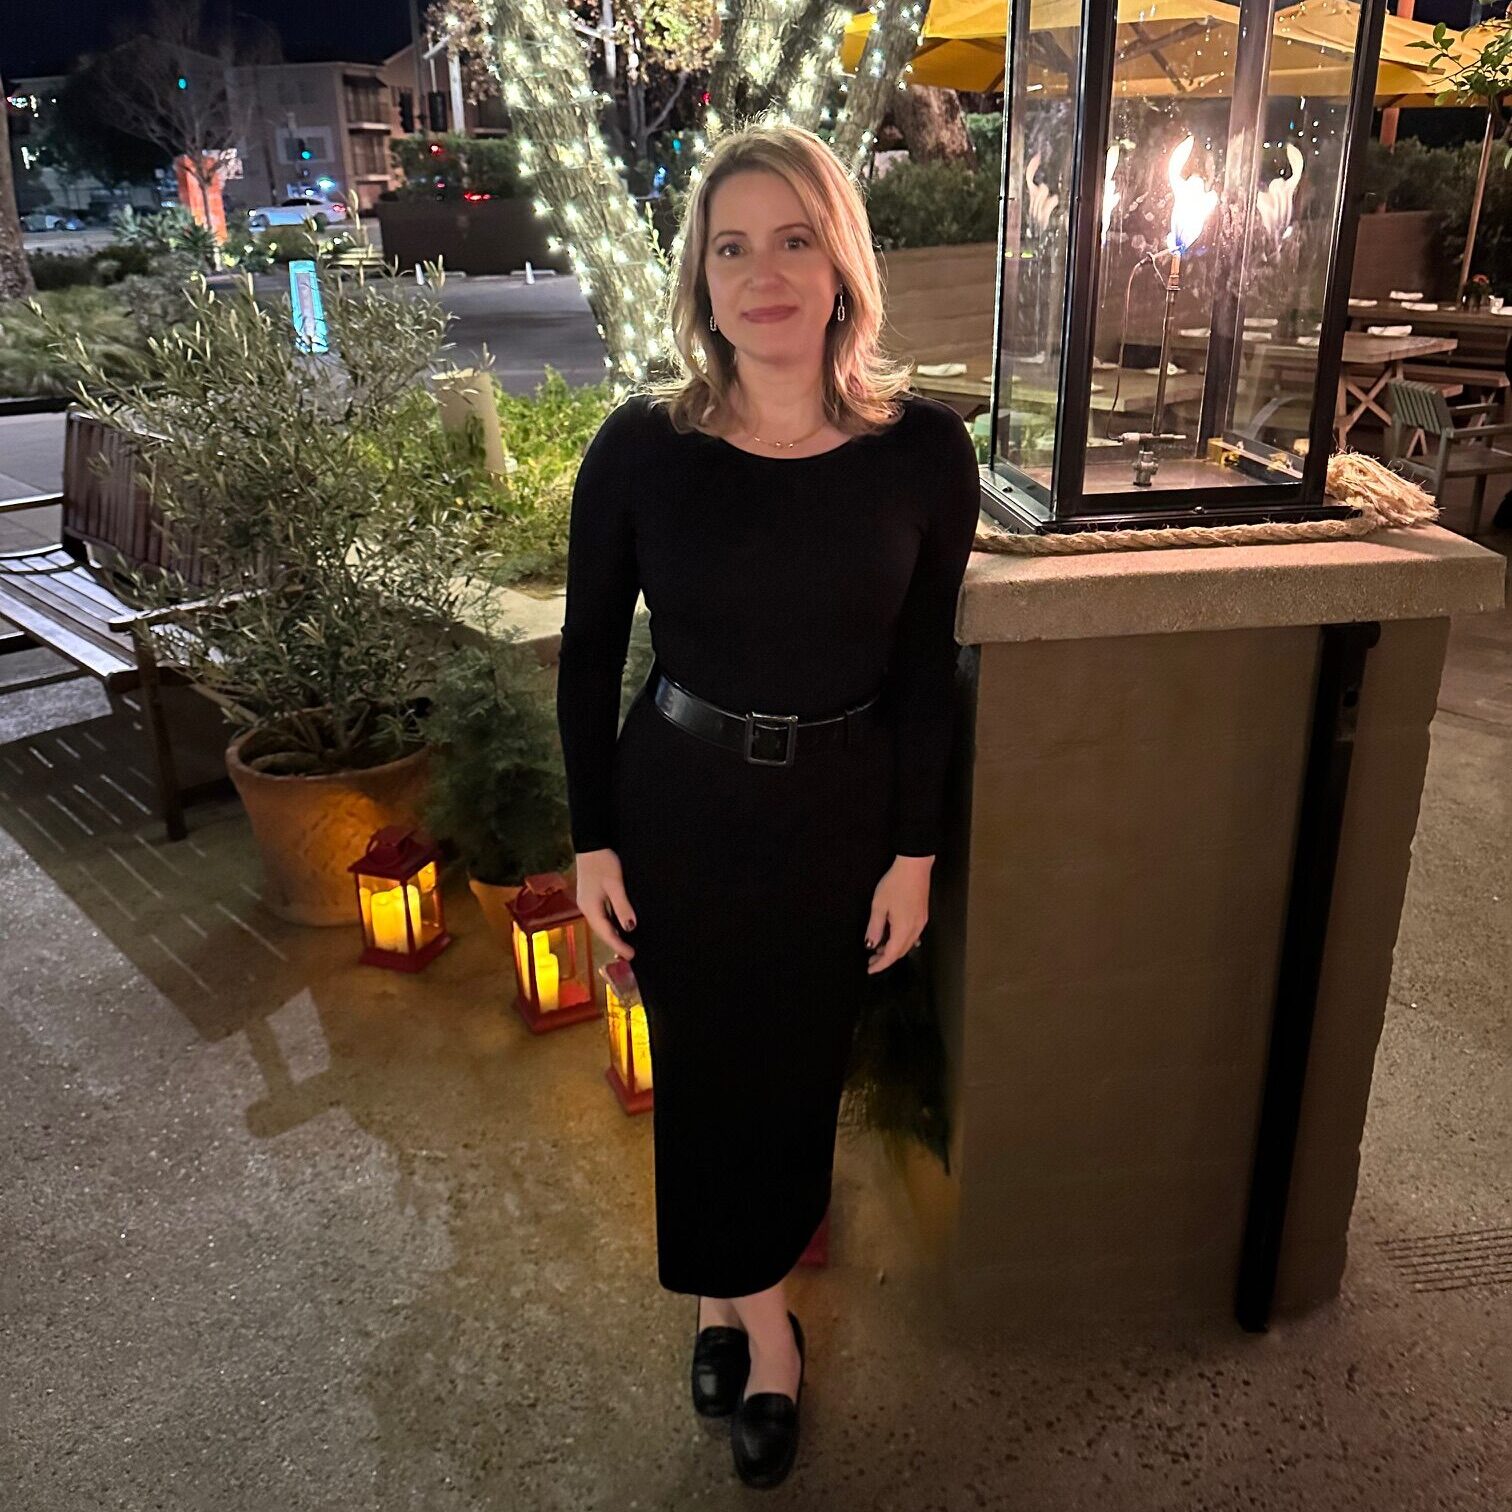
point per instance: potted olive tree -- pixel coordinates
(316, 495)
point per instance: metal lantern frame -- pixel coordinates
(545, 905)
(399, 856)
(622, 1003)
(1026, 504)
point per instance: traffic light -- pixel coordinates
(183, 83)
(436, 104)
(406, 112)
(304, 152)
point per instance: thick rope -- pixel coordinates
(1383, 501)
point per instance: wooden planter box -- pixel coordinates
(1399, 249)
(939, 303)
(482, 236)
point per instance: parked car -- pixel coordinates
(51, 220)
(322, 209)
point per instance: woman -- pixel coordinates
(758, 839)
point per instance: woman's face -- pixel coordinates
(771, 284)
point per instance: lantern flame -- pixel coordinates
(1110, 194)
(1274, 203)
(1193, 201)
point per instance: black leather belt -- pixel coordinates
(762, 739)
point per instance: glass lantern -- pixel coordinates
(1177, 235)
(399, 900)
(629, 1069)
(553, 955)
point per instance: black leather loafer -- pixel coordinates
(764, 1430)
(721, 1363)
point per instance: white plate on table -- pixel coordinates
(1417, 304)
(1392, 330)
(1193, 331)
(1363, 304)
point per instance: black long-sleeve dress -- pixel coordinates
(789, 586)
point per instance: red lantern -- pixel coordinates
(399, 900)
(629, 1070)
(553, 955)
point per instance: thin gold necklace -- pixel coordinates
(789, 444)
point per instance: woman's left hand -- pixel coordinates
(901, 903)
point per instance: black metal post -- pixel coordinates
(1094, 105)
(1341, 671)
(1341, 260)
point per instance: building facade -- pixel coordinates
(314, 127)
(41, 182)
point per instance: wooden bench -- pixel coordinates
(69, 598)
(362, 257)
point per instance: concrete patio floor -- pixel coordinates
(282, 1232)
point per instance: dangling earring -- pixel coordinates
(840, 313)
(712, 326)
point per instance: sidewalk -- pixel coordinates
(285, 1232)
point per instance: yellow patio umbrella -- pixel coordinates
(1177, 48)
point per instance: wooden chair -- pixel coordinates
(1481, 364)
(1419, 412)
(70, 597)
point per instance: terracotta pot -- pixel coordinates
(309, 829)
(491, 898)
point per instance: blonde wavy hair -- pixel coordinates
(861, 383)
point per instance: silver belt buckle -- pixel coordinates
(772, 723)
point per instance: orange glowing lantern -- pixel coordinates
(629, 1070)
(553, 955)
(399, 900)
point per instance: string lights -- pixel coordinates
(778, 63)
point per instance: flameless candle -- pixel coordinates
(388, 907)
(548, 974)
(640, 1043)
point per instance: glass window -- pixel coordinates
(1200, 245)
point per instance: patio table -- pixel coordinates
(1133, 391)
(1368, 363)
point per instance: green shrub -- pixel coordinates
(497, 790)
(124, 260)
(464, 165)
(986, 133)
(30, 361)
(1442, 180)
(933, 205)
(62, 270)
(521, 528)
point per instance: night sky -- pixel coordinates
(37, 37)
(45, 36)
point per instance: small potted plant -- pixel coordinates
(316, 496)
(1476, 291)
(497, 791)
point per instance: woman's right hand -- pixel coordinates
(600, 887)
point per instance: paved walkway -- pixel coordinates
(279, 1231)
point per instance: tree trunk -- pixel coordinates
(15, 271)
(933, 125)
